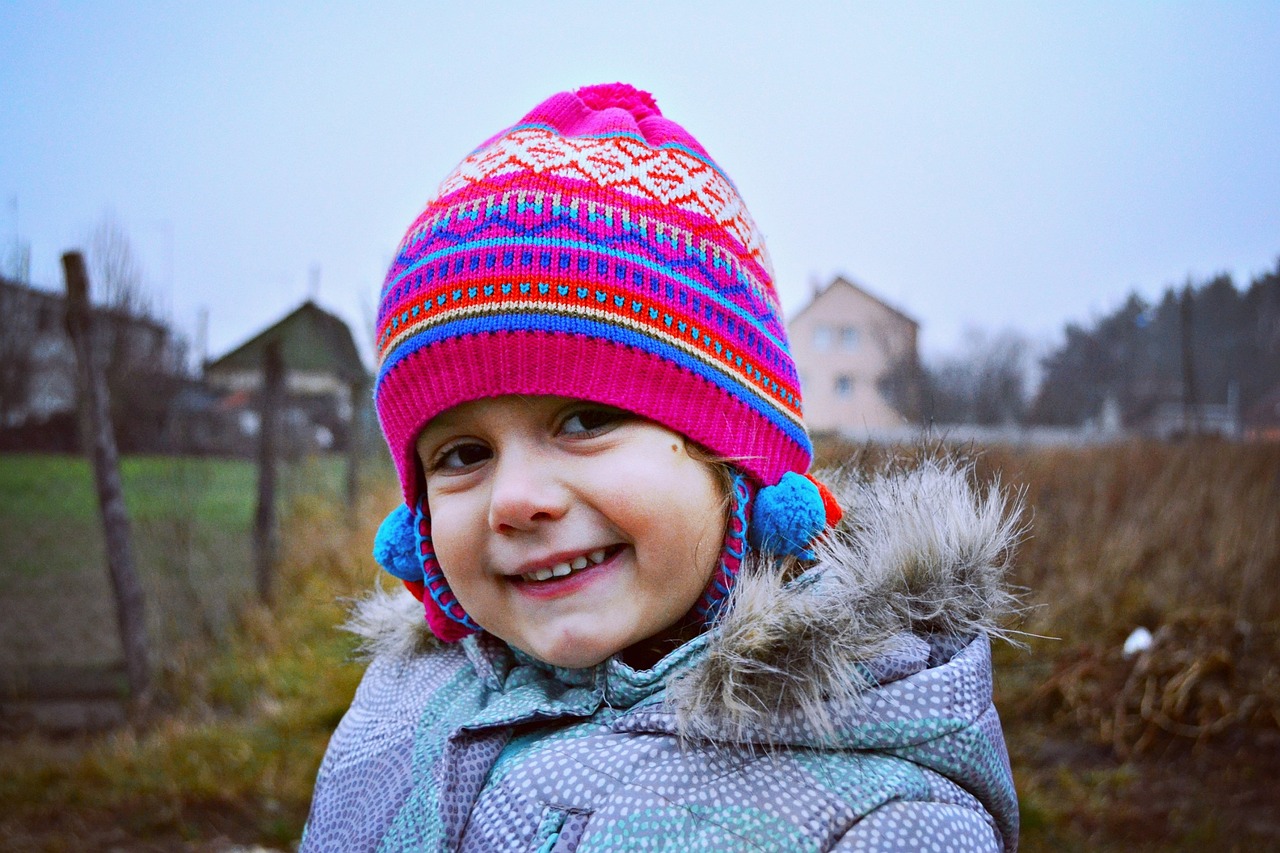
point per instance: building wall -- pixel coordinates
(35, 344)
(296, 381)
(306, 383)
(843, 343)
(142, 363)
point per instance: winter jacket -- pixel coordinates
(846, 709)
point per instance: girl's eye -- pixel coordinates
(592, 421)
(461, 456)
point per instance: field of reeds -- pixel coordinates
(1175, 747)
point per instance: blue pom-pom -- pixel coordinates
(396, 545)
(787, 517)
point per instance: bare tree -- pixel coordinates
(141, 358)
(903, 386)
(266, 528)
(117, 271)
(986, 383)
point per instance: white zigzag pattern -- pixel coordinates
(666, 175)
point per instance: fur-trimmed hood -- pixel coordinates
(917, 567)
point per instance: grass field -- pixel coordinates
(191, 521)
(1176, 749)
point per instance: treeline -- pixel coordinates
(1205, 342)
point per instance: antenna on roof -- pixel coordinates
(202, 337)
(313, 287)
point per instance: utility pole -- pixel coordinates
(1190, 411)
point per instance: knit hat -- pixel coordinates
(592, 250)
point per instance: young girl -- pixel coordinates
(645, 628)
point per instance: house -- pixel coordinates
(1174, 420)
(141, 359)
(324, 376)
(37, 361)
(858, 361)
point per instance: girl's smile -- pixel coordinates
(549, 573)
(569, 529)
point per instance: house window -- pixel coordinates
(848, 338)
(844, 385)
(822, 338)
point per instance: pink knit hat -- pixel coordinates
(592, 250)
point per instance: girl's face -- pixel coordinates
(569, 529)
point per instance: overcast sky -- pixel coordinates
(992, 165)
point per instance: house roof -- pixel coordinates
(841, 281)
(310, 338)
(56, 300)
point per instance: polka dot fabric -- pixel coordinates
(476, 748)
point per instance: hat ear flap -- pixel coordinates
(733, 552)
(403, 548)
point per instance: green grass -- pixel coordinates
(191, 522)
(50, 518)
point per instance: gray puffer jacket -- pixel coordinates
(848, 709)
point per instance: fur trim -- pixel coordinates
(389, 625)
(920, 553)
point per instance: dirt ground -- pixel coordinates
(1077, 795)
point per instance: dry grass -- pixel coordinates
(1133, 534)
(1171, 748)
(1183, 540)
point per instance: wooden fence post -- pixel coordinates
(95, 409)
(355, 445)
(266, 533)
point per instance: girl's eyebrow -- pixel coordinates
(437, 431)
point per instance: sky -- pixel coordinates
(991, 166)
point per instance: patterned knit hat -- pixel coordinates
(592, 250)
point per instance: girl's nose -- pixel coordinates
(526, 492)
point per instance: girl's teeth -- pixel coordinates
(559, 570)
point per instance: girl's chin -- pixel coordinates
(569, 653)
(569, 661)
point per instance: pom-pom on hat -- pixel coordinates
(592, 250)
